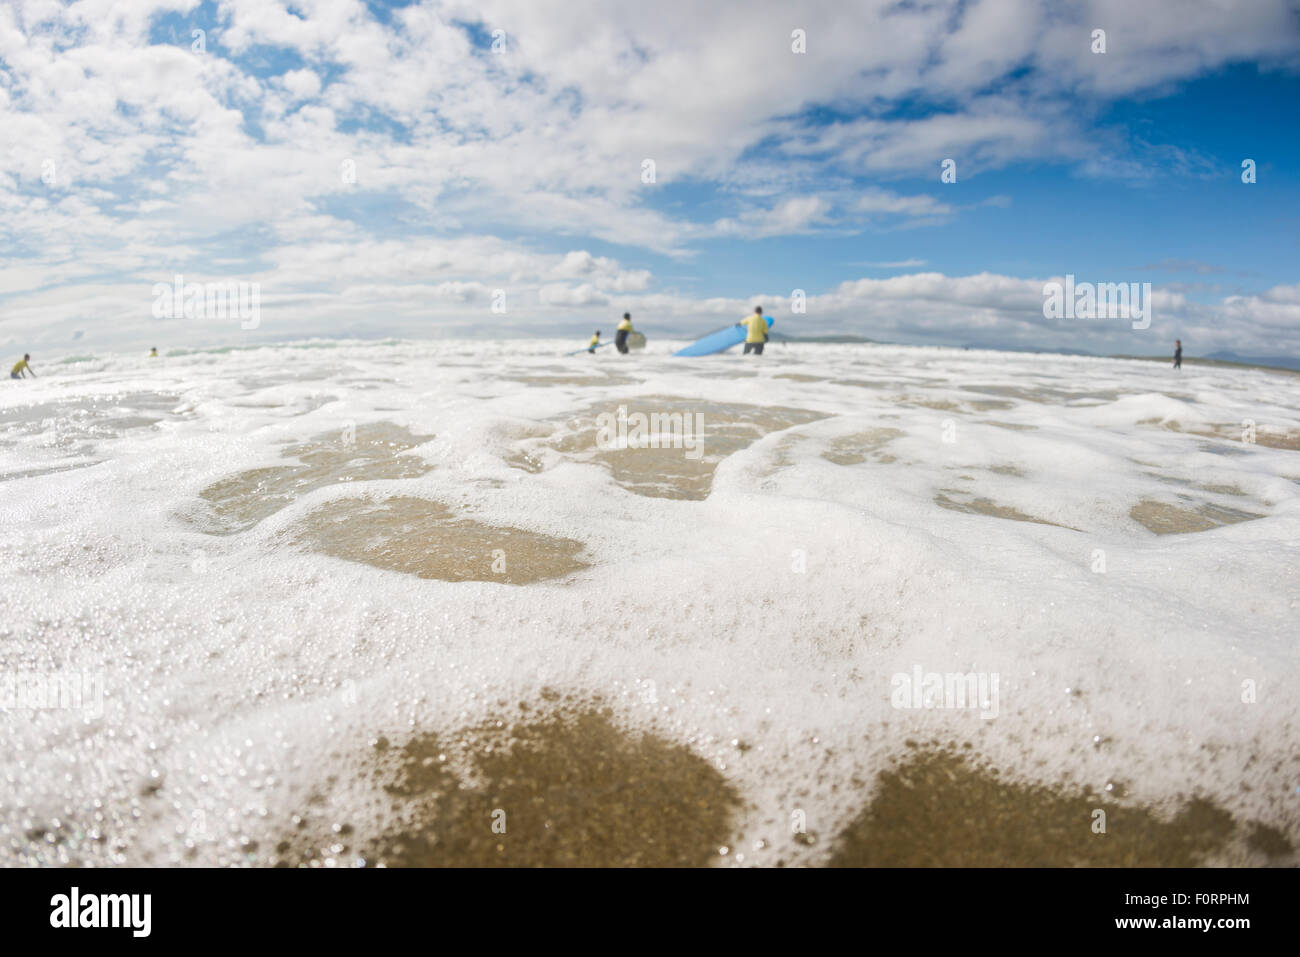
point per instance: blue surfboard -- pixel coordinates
(588, 349)
(719, 340)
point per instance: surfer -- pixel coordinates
(153, 353)
(757, 334)
(595, 341)
(623, 331)
(1178, 353)
(22, 367)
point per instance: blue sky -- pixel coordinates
(514, 174)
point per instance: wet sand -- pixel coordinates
(419, 537)
(1166, 519)
(564, 789)
(987, 507)
(854, 449)
(371, 451)
(670, 472)
(940, 808)
(565, 786)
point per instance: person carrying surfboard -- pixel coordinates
(623, 331)
(757, 334)
(595, 341)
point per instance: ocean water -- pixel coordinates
(373, 604)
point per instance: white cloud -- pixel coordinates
(301, 84)
(558, 294)
(168, 159)
(795, 215)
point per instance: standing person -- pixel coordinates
(153, 353)
(1178, 353)
(22, 367)
(757, 334)
(595, 341)
(623, 331)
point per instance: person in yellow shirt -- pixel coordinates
(757, 332)
(624, 330)
(595, 341)
(22, 367)
(153, 353)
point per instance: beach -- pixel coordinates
(345, 603)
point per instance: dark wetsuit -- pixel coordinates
(1178, 357)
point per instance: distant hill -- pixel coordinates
(1228, 358)
(782, 337)
(1279, 362)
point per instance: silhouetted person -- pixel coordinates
(1178, 353)
(621, 334)
(755, 332)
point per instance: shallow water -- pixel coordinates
(418, 537)
(940, 808)
(344, 603)
(1166, 519)
(982, 506)
(564, 789)
(352, 454)
(669, 472)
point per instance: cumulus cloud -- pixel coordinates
(558, 294)
(325, 152)
(301, 84)
(795, 215)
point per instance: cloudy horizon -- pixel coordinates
(506, 168)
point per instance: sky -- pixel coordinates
(519, 168)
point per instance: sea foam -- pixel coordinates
(1115, 541)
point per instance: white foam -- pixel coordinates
(239, 672)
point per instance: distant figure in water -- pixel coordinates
(623, 331)
(153, 353)
(757, 334)
(22, 367)
(1178, 353)
(595, 341)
